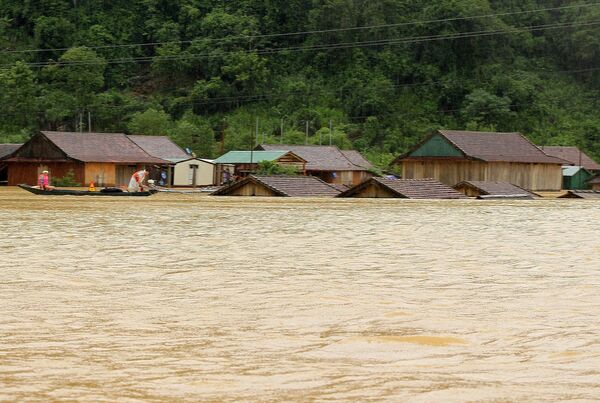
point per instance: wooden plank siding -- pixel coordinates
(28, 172)
(252, 189)
(451, 172)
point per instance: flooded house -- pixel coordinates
(452, 156)
(244, 163)
(184, 169)
(279, 186)
(581, 194)
(5, 151)
(594, 183)
(576, 177)
(574, 156)
(332, 165)
(402, 188)
(108, 159)
(493, 190)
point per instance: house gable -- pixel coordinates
(437, 146)
(40, 147)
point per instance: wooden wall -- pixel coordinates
(102, 173)
(349, 178)
(468, 190)
(28, 172)
(290, 160)
(374, 190)
(450, 172)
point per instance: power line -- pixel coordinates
(333, 46)
(298, 33)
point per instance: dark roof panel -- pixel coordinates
(496, 188)
(101, 147)
(573, 155)
(7, 149)
(318, 158)
(290, 186)
(409, 188)
(159, 147)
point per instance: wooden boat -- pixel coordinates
(66, 192)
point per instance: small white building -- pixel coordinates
(193, 172)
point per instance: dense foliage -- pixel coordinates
(204, 71)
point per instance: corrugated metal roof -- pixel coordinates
(101, 147)
(496, 188)
(572, 154)
(7, 149)
(571, 170)
(247, 157)
(159, 146)
(287, 186)
(319, 158)
(409, 188)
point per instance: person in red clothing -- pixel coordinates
(136, 184)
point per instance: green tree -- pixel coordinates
(151, 122)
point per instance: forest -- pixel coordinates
(373, 75)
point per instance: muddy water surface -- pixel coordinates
(184, 297)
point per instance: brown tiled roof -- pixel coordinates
(594, 180)
(493, 146)
(581, 194)
(572, 155)
(7, 149)
(101, 147)
(409, 188)
(288, 186)
(319, 158)
(160, 147)
(357, 158)
(496, 188)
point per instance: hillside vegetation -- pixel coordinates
(382, 73)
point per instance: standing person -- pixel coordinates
(44, 180)
(136, 183)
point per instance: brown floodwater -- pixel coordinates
(187, 297)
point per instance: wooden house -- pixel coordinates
(493, 190)
(332, 165)
(5, 151)
(454, 156)
(594, 183)
(108, 159)
(279, 186)
(574, 156)
(403, 189)
(243, 163)
(184, 170)
(576, 177)
(581, 194)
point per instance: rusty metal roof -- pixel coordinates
(409, 188)
(496, 188)
(101, 147)
(286, 186)
(573, 155)
(160, 147)
(7, 149)
(319, 158)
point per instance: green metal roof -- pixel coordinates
(570, 170)
(245, 157)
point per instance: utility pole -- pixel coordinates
(306, 139)
(89, 122)
(256, 133)
(330, 130)
(80, 122)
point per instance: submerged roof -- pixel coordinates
(323, 158)
(7, 149)
(100, 147)
(408, 188)
(492, 147)
(573, 155)
(496, 188)
(160, 147)
(250, 157)
(581, 194)
(287, 186)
